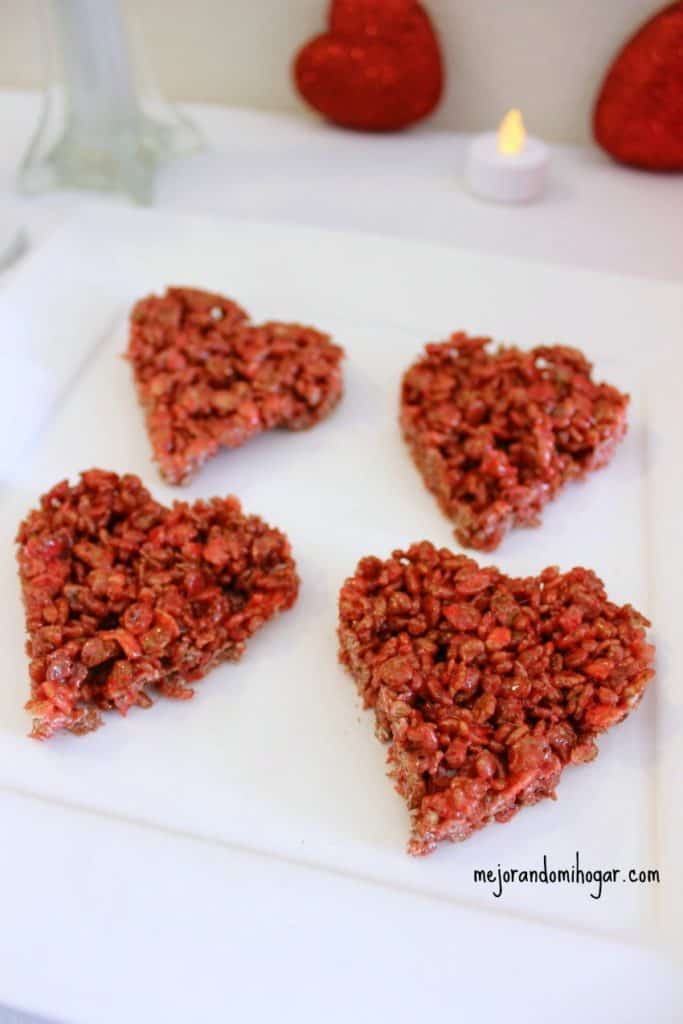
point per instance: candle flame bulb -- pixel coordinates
(511, 133)
(507, 166)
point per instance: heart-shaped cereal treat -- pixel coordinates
(209, 378)
(496, 434)
(486, 686)
(123, 595)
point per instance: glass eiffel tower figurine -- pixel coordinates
(101, 127)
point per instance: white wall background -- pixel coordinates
(545, 56)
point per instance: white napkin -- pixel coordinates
(27, 391)
(12, 238)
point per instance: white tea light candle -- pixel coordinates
(507, 166)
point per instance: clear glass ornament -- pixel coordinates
(104, 125)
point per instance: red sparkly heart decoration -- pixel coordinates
(638, 115)
(377, 68)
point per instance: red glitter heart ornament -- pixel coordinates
(638, 115)
(377, 68)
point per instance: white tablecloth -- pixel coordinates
(274, 167)
(268, 167)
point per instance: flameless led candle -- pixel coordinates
(508, 165)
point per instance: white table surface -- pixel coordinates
(179, 931)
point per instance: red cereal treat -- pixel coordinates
(209, 378)
(123, 595)
(486, 686)
(496, 434)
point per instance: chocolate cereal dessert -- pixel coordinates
(486, 686)
(124, 596)
(209, 378)
(496, 433)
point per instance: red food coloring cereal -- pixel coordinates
(115, 607)
(209, 378)
(486, 700)
(497, 434)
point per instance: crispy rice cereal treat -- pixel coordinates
(209, 378)
(496, 434)
(123, 595)
(485, 686)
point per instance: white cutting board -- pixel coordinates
(275, 754)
